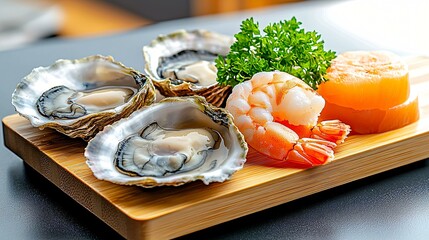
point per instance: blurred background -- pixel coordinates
(26, 21)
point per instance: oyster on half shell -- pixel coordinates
(79, 97)
(182, 64)
(175, 141)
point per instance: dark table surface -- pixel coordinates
(391, 205)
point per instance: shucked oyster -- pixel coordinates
(182, 64)
(80, 97)
(175, 141)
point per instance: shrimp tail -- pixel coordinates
(310, 152)
(331, 130)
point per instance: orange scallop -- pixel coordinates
(370, 91)
(374, 120)
(366, 80)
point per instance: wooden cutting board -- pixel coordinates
(168, 212)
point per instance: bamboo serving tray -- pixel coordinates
(168, 212)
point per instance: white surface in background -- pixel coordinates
(22, 23)
(390, 24)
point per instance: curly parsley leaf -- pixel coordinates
(284, 46)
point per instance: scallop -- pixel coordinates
(79, 97)
(182, 64)
(170, 143)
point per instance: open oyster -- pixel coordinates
(79, 97)
(175, 141)
(182, 64)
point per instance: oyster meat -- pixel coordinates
(192, 66)
(175, 141)
(182, 64)
(79, 97)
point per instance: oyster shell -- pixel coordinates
(175, 141)
(182, 64)
(79, 97)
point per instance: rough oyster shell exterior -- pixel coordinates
(170, 113)
(81, 74)
(182, 40)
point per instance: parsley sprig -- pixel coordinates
(284, 47)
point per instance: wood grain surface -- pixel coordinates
(168, 212)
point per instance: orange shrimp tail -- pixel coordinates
(310, 152)
(331, 130)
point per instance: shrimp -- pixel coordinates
(278, 116)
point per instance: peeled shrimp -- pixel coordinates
(277, 114)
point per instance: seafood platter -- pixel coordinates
(217, 127)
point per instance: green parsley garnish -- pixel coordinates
(285, 47)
